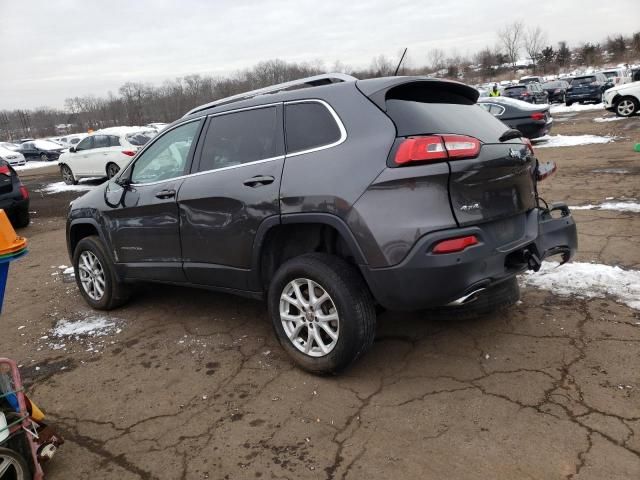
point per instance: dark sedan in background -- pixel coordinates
(556, 89)
(587, 88)
(44, 150)
(14, 196)
(532, 121)
(530, 93)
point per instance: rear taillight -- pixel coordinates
(525, 94)
(4, 170)
(24, 192)
(557, 90)
(537, 116)
(436, 147)
(455, 244)
(527, 142)
(129, 153)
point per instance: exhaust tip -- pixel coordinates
(466, 299)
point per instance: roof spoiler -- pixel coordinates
(423, 88)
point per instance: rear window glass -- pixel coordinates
(309, 125)
(242, 137)
(417, 118)
(582, 81)
(515, 90)
(140, 138)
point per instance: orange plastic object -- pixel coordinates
(9, 241)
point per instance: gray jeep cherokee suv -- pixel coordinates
(327, 201)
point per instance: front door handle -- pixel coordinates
(166, 194)
(259, 180)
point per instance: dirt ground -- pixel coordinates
(192, 384)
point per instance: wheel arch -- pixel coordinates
(82, 228)
(314, 232)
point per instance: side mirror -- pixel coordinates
(72, 149)
(115, 192)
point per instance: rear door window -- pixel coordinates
(309, 125)
(114, 141)
(100, 141)
(242, 137)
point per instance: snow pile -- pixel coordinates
(608, 119)
(90, 326)
(576, 107)
(33, 164)
(626, 206)
(570, 140)
(588, 280)
(59, 187)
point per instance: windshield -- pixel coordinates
(579, 81)
(140, 138)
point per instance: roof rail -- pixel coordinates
(314, 81)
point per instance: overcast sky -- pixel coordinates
(54, 49)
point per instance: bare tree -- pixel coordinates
(381, 66)
(436, 59)
(511, 39)
(534, 40)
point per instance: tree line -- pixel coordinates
(138, 103)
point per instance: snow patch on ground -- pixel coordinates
(59, 187)
(33, 164)
(570, 140)
(576, 107)
(588, 280)
(616, 206)
(608, 119)
(619, 171)
(90, 326)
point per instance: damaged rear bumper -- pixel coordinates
(425, 279)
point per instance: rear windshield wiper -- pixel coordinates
(510, 135)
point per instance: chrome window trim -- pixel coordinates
(336, 118)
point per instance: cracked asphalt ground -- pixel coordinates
(195, 386)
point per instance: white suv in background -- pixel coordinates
(103, 153)
(624, 99)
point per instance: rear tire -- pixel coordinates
(347, 301)
(96, 276)
(21, 218)
(44, 157)
(15, 464)
(112, 170)
(492, 299)
(67, 175)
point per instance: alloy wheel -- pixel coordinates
(112, 170)
(44, 157)
(625, 107)
(67, 175)
(309, 317)
(10, 468)
(92, 276)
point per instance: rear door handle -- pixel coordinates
(166, 194)
(259, 180)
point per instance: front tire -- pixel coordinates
(13, 465)
(322, 312)
(626, 107)
(96, 277)
(44, 157)
(67, 175)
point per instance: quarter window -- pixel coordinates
(241, 137)
(309, 125)
(166, 158)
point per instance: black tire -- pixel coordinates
(20, 470)
(495, 298)
(44, 157)
(353, 303)
(67, 175)
(115, 292)
(568, 103)
(634, 105)
(21, 218)
(112, 170)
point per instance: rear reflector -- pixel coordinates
(455, 244)
(129, 153)
(537, 116)
(436, 147)
(24, 192)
